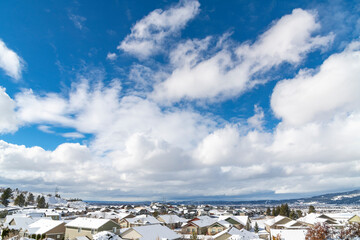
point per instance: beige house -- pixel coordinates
(215, 228)
(198, 225)
(88, 227)
(150, 232)
(239, 222)
(277, 222)
(46, 228)
(171, 221)
(53, 215)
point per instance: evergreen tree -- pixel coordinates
(5, 196)
(41, 203)
(284, 210)
(311, 209)
(30, 198)
(256, 228)
(20, 200)
(273, 212)
(299, 213)
(292, 215)
(268, 212)
(248, 226)
(277, 210)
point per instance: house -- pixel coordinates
(239, 222)
(313, 218)
(277, 222)
(217, 227)
(18, 221)
(199, 225)
(171, 221)
(150, 232)
(46, 227)
(53, 215)
(89, 226)
(140, 220)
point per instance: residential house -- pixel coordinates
(199, 225)
(277, 222)
(150, 232)
(171, 221)
(239, 222)
(18, 221)
(88, 227)
(47, 228)
(140, 220)
(53, 215)
(313, 218)
(217, 227)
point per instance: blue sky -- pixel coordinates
(136, 100)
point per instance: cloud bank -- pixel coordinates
(153, 142)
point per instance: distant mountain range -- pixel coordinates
(343, 198)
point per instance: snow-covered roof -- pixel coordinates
(105, 235)
(237, 234)
(172, 219)
(287, 234)
(274, 220)
(42, 226)
(241, 219)
(91, 223)
(21, 222)
(151, 232)
(143, 219)
(205, 222)
(313, 218)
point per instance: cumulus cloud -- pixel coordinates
(150, 33)
(316, 95)
(155, 150)
(8, 119)
(225, 74)
(111, 56)
(10, 62)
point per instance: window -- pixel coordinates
(92, 231)
(58, 236)
(114, 229)
(79, 229)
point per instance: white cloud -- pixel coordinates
(8, 119)
(77, 20)
(154, 150)
(45, 128)
(225, 74)
(149, 34)
(111, 56)
(73, 135)
(10, 62)
(257, 121)
(320, 95)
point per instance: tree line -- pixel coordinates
(284, 210)
(21, 200)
